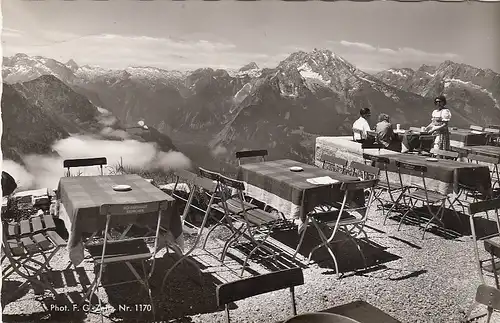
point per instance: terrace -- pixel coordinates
(406, 277)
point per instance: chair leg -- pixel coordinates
(359, 248)
(258, 246)
(325, 243)
(146, 281)
(301, 239)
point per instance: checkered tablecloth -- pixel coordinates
(82, 197)
(443, 176)
(273, 183)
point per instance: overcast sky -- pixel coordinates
(192, 34)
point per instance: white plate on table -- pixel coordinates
(296, 169)
(122, 188)
(432, 159)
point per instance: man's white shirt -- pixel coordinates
(361, 124)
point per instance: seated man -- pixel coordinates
(386, 135)
(362, 125)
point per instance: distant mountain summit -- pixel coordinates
(249, 66)
(471, 92)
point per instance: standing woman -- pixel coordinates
(439, 124)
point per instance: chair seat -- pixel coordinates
(420, 194)
(393, 185)
(330, 218)
(120, 251)
(234, 206)
(35, 243)
(260, 217)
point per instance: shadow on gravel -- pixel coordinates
(347, 254)
(454, 227)
(184, 294)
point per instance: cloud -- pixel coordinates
(363, 46)
(219, 150)
(373, 58)
(44, 171)
(121, 51)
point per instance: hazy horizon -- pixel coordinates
(182, 36)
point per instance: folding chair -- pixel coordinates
(443, 154)
(358, 132)
(416, 194)
(371, 145)
(22, 242)
(485, 294)
(84, 162)
(338, 164)
(385, 185)
(462, 152)
(257, 285)
(255, 221)
(196, 183)
(126, 250)
(493, 136)
(349, 218)
(251, 154)
(426, 143)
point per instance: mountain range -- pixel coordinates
(209, 114)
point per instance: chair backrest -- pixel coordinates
(257, 285)
(336, 162)
(444, 153)
(349, 188)
(371, 145)
(262, 153)
(84, 162)
(413, 169)
(462, 152)
(209, 174)
(194, 182)
(357, 131)
(366, 171)
(476, 128)
(416, 129)
(426, 141)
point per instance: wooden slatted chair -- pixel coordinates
(357, 132)
(257, 285)
(485, 294)
(84, 162)
(348, 218)
(462, 151)
(126, 250)
(338, 164)
(23, 242)
(256, 222)
(426, 143)
(444, 154)
(415, 194)
(493, 136)
(231, 202)
(262, 153)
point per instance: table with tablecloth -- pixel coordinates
(444, 176)
(273, 183)
(82, 196)
(458, 138)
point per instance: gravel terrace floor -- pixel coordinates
(413, 280)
